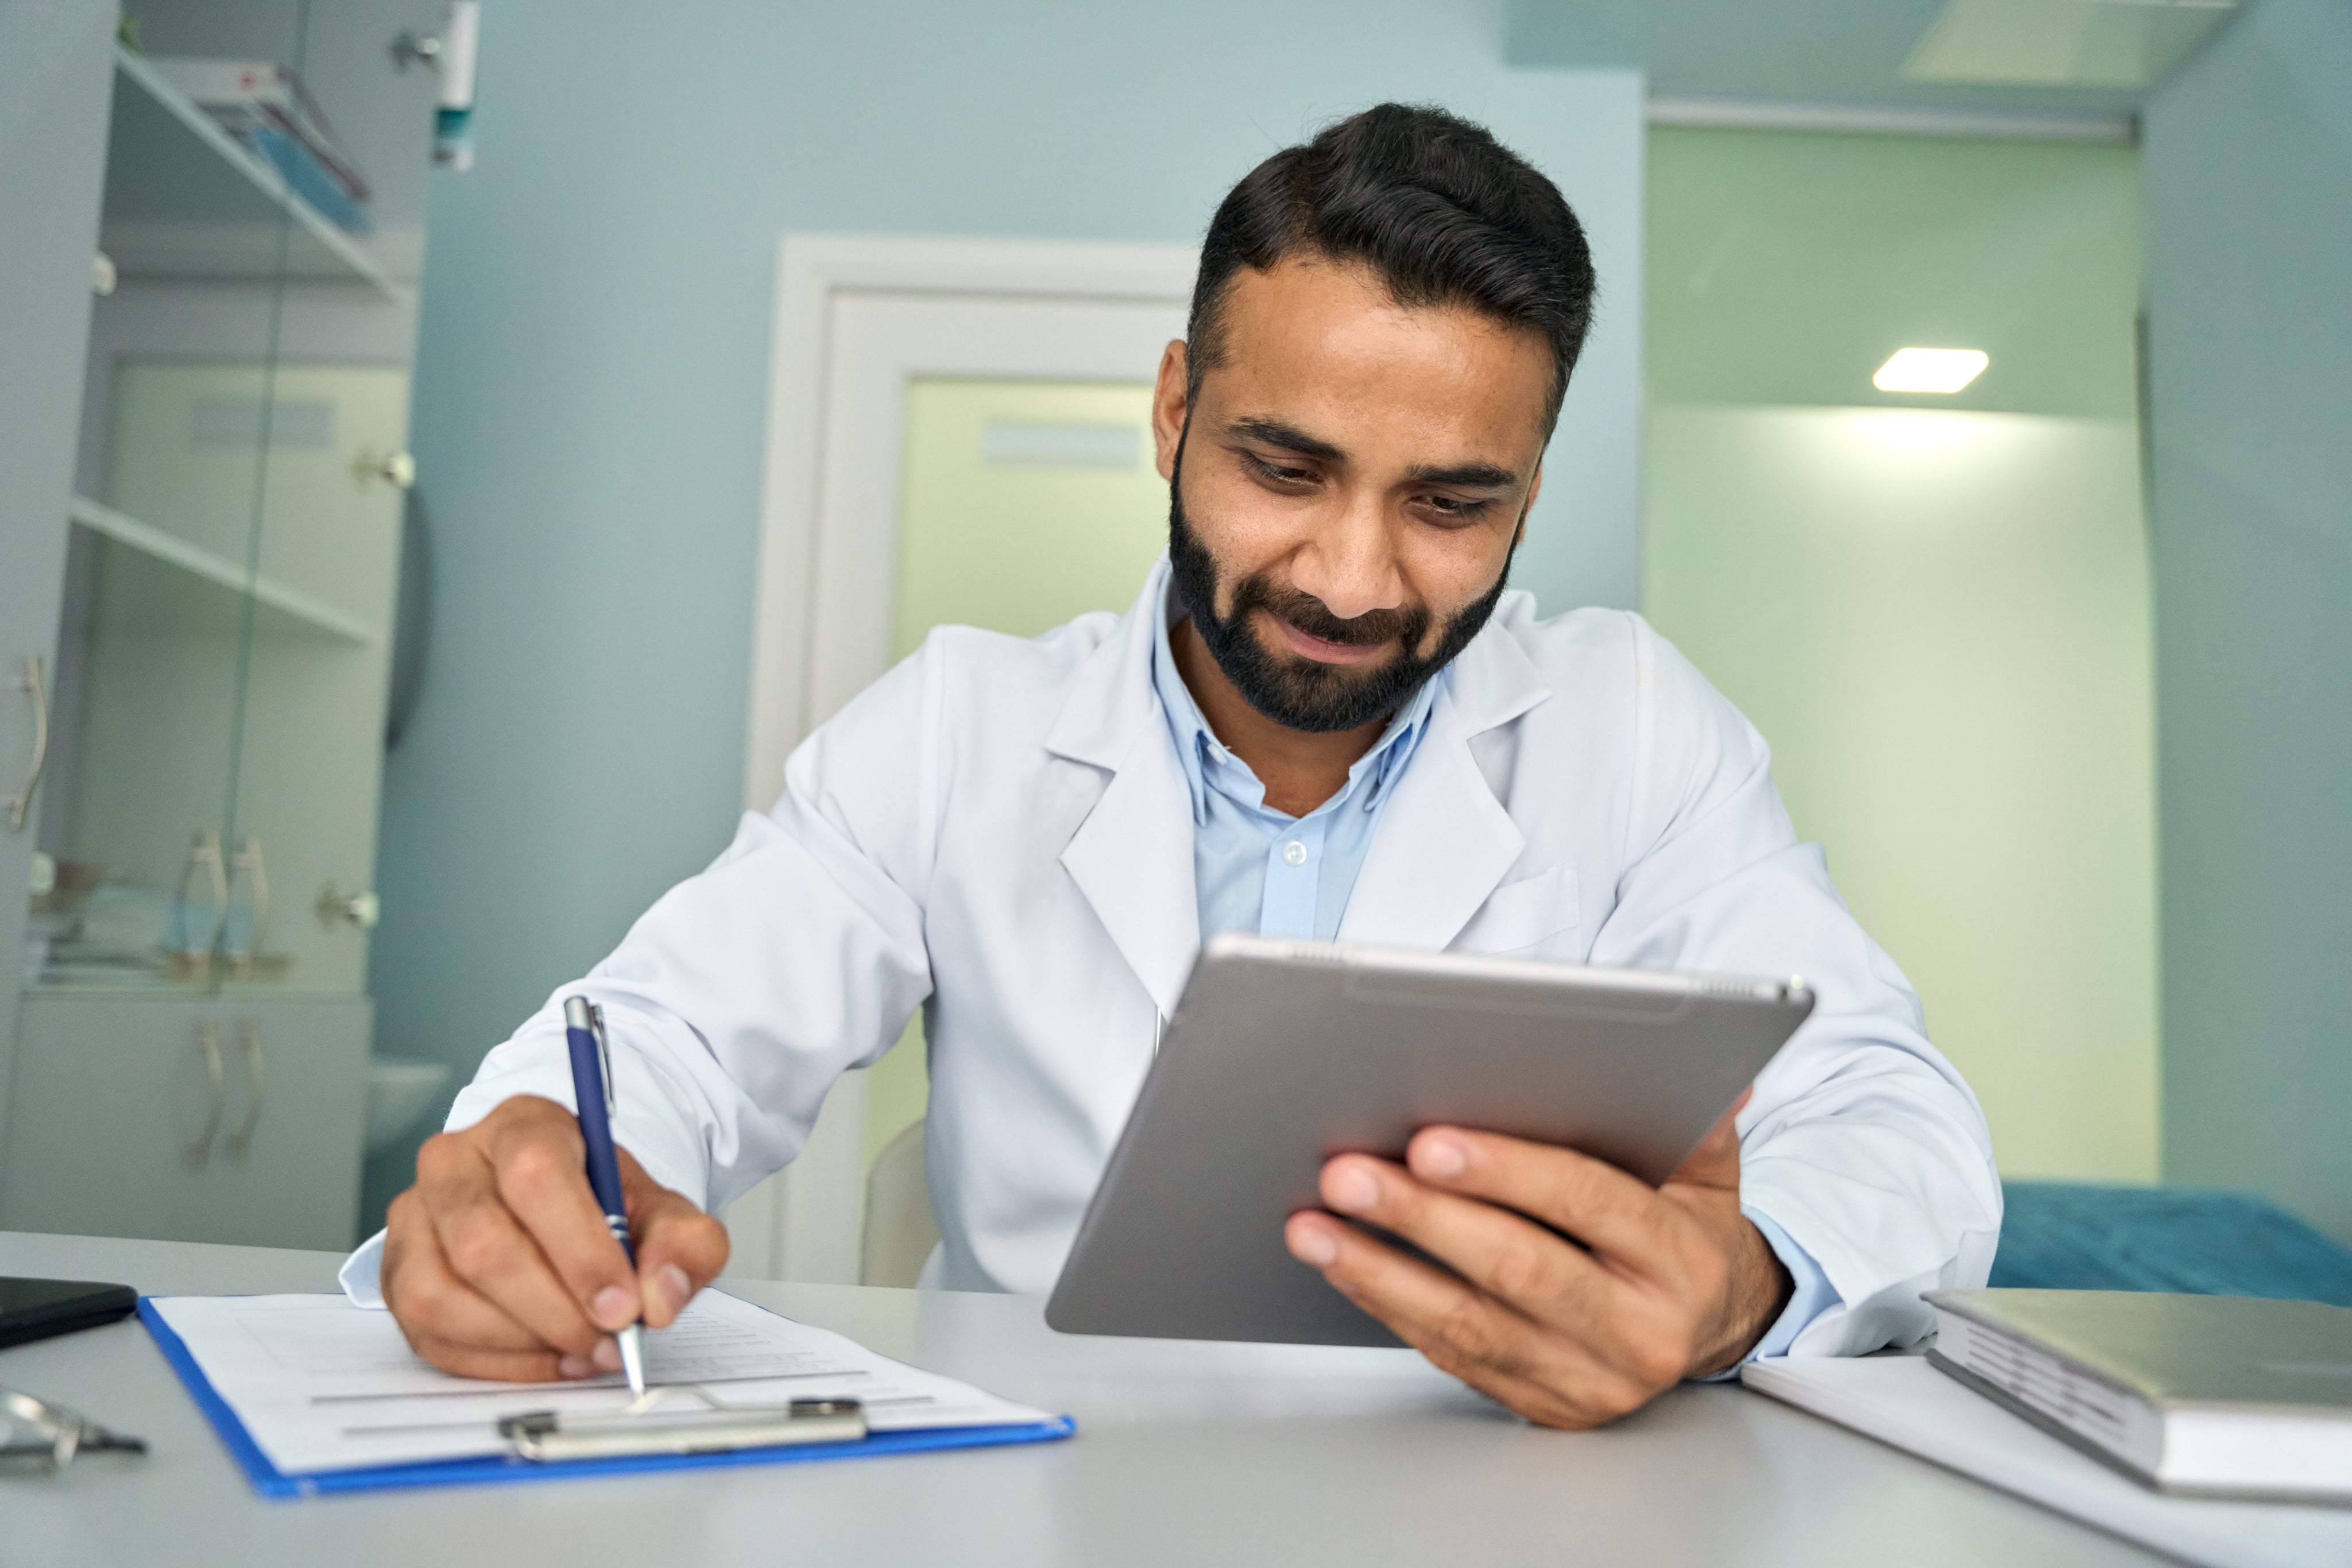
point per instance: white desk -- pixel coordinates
(1186, 1454)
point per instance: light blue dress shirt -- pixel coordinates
(1258, 868)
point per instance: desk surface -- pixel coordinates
(1186, 1454)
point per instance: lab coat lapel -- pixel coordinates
(1133, 855)
(1445, 842)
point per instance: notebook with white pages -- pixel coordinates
(2204, 1396)
(1905, 1402)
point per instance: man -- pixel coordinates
(1323, 717)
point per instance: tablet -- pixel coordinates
(1284, 1053)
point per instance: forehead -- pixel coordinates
(1312, 339)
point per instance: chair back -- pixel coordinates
(900, 1229)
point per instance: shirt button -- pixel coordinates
(1293, 853)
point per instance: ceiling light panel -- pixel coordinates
(1930, 369)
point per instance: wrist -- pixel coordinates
(1757, 1288)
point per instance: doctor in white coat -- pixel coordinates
(1323, 717)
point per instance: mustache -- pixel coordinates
(1407, 623)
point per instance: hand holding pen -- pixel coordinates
(591, 1088)
(499, 1262)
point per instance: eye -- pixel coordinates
(1455, 511)
(1273, 473)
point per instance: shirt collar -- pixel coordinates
(1207, 764)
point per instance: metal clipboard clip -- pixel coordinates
(645, 1428)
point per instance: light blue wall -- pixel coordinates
(2248, 180)
(591, 377)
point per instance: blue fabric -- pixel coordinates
(1813, 1294)
(2075, 1236)
(1255, 869)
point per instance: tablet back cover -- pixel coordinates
(1285, 1053)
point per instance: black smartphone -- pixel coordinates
(37, 1309)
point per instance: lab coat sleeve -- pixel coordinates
(1863, 1145)
(745, 991)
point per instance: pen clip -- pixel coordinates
(604, 1055)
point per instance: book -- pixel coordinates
(269, 108)
(2204, 1396)
(1901, 1400)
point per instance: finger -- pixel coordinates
(505, 1365)
(1462, 1331)
(1589, 1199)
(1544, 1277)
(485, 1247)
(429, 1301)
(541, 1167)
(679, 1248)
(1715, 1161)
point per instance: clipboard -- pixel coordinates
(668, 1433)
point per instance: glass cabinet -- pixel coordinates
(192, 1031)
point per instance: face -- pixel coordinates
(1348, 486)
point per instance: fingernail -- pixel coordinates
(573, 1367)
(674, 1285)
(1310, 1244)
(1441, 1158)
(1351, 1191)
(613, 1308)
(607, 1356)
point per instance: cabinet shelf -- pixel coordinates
(210, 207)
(291, 608)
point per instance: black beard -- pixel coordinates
(1301, 693)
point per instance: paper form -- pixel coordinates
(321, 1385)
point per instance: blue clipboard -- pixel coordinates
(268, 1480)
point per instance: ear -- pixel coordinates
(1170, 405)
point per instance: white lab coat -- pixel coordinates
(998, 831)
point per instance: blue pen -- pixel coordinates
(592, 1086)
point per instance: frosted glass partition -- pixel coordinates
(1939, 620)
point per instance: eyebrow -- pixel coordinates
(1289, 437)
(1470, 476)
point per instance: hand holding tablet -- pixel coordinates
(1657, 1283)
(1507, 1165)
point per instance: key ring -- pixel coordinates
(59, 1433)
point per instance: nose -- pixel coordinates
(1349, 564)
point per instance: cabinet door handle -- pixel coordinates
(30, 680)
(241, 1141)
(200, 1148)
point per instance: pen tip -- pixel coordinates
(632, 1356)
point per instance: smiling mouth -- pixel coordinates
(1323, 651)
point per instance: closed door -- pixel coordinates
(188, 1120)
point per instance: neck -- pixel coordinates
(1300, 770)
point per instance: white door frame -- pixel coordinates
(828, 556)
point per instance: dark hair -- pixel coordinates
(1440, 211)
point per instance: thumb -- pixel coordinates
(1715, 1161)
(679, 1249)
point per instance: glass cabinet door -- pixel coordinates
(310, 744)
(135, 888)
(208, 820)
